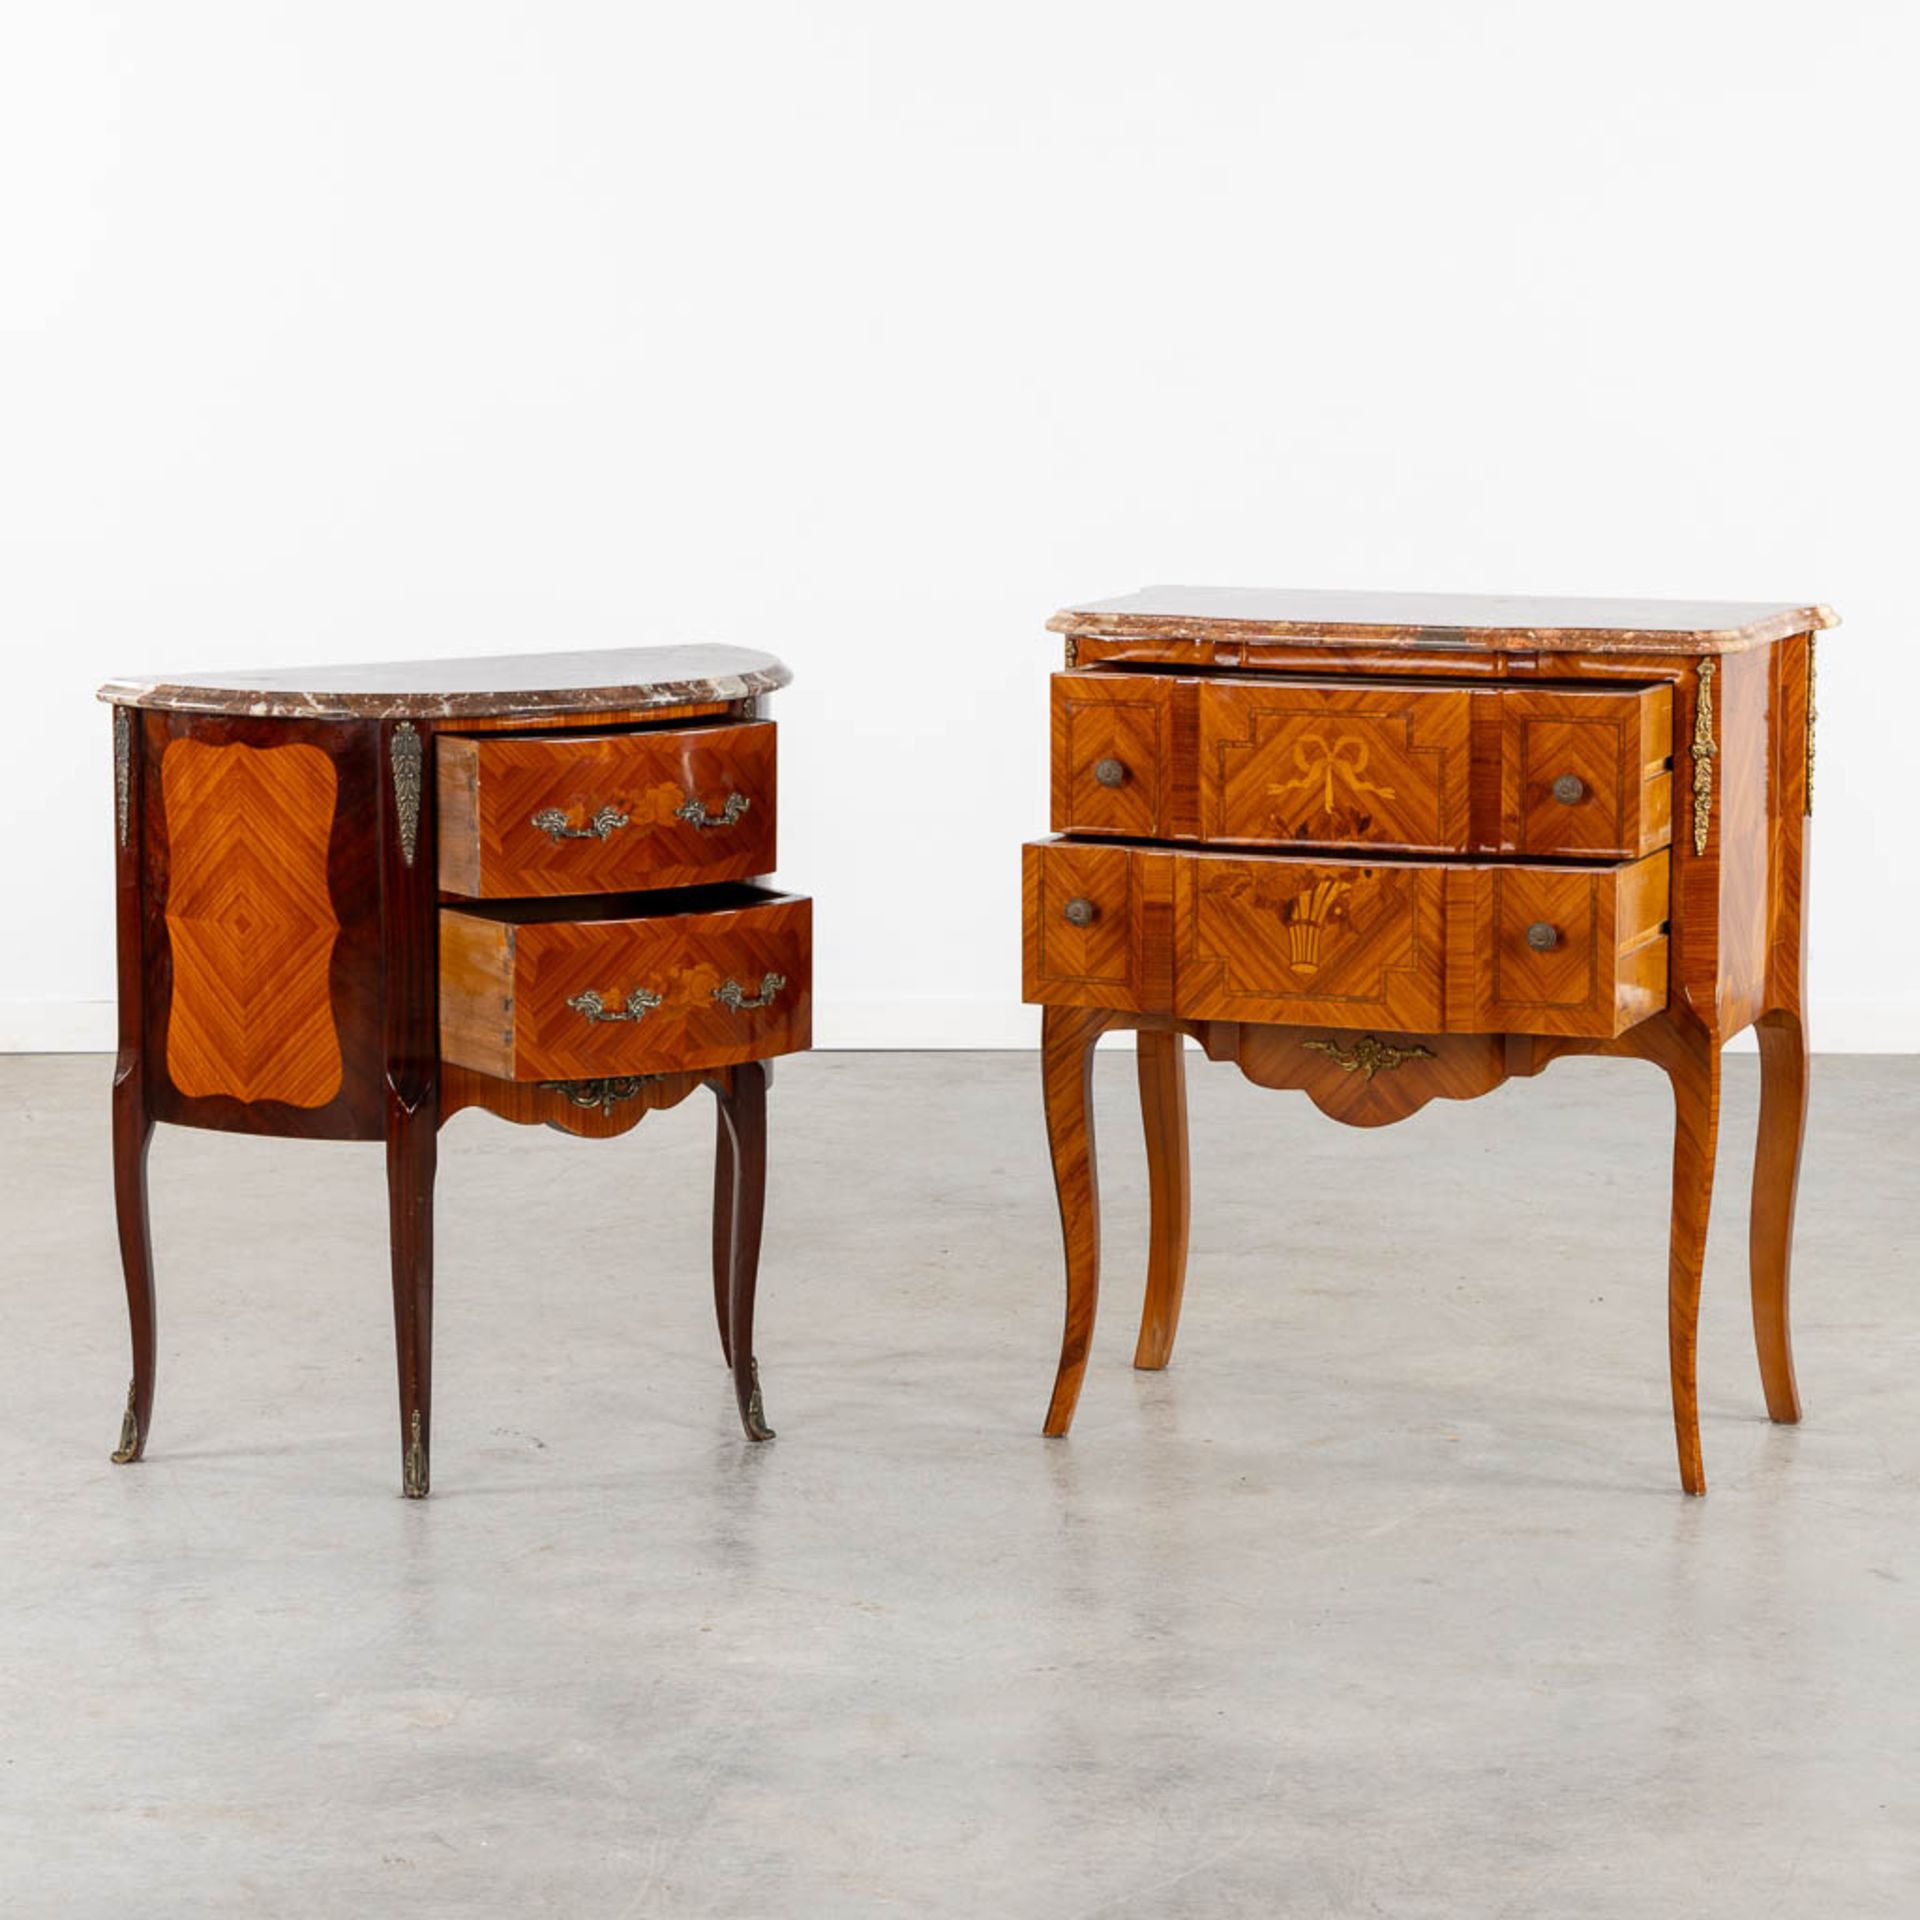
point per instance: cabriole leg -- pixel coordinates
(132, 1136)
(1776, 1179)
(1693, 1066)
(743, 1117)
(723, 1185)
(1067, 1038)
(1163, 1110)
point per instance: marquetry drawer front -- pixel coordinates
(1586, 770)
(1409, 946)
(1364, 763)
(1113, 754)
(1286, 940)
(649, 983)
(604, 812)
(1086, 928)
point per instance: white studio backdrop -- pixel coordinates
(872, 333)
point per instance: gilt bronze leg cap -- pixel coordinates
(755, 1417)
(128, 1450)
(414, 1481)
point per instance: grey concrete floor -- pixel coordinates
(1381, 1601)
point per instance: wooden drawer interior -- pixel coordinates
(604, 812)
(1403, 765)
(637, 983)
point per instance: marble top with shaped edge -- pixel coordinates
(1499, 623)
(605, 681)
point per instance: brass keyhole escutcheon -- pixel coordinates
(1081, 912)
(1110, 773)
(1543, 936)
(1569, 789)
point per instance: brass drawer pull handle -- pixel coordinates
(1110, 773)
(638, 1005)
(1543, 937)
(730, 993)
(553, 820)
(696, 814)
(1080, 912)
(1569, 789)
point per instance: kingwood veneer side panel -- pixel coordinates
(250, 861)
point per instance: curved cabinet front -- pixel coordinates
(548, 813)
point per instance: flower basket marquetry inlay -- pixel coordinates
(1306, 916)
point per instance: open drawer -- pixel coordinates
(626, 984)
(1409, 945)
(1550, 768)
(549, 813)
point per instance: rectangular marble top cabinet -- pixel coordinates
(355, 900)
(1391, 848)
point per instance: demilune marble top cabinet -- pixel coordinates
(354, 900)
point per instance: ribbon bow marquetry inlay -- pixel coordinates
(1344, 759)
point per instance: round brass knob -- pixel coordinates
(1080, 912)
(1569, 789)
(1110, 773)
(1543, 937)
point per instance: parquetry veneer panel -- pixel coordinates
(1086, 931)
(1614, 746)
(251, 922)
(1114, 757)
